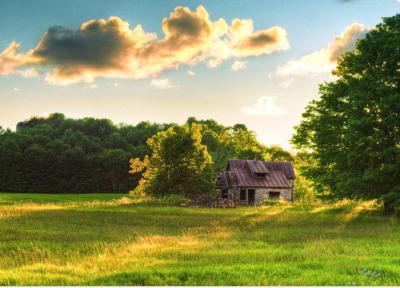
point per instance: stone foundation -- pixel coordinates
(261, 194)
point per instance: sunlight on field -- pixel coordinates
(116, 240)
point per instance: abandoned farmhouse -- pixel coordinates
(252, 181)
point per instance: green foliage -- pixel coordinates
(276, 153)
(179, 164)
(353, 131)
(224, 143)
(88, 240)
(61, 155)
(271, 202)
(166, 200)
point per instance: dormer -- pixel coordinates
(257, 168)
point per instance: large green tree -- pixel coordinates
(179, 164)
(353, 130)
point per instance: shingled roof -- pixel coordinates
(256, 173)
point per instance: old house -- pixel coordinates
(252, 181)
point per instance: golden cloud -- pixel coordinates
(10, 59)
(248, 42)
(110, 48)
(325, 59)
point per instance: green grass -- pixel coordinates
(11, 198)
(109, 239)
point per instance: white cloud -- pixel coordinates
(325, 59)
(15, 89)
(28, 73)
(116, 84)
(191, 73)
(91, 86)
(287, 82)
(238, 65)
(264, 106)
(161, 84)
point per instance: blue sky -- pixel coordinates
(268, 92)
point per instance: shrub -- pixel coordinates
(271, 202)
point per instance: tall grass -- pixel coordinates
(115, 240)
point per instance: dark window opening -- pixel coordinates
(224, 194)
(243, 195)
(261, 175)
(251, 194)
(274, 194)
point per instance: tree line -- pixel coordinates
(56, 154)
(61, 155)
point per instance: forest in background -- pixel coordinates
(56, 154)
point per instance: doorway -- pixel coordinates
(251, 196)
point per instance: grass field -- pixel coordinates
(109, 239)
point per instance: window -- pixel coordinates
(243, 194)
(274, 194)
(224, 193)
(260, 175)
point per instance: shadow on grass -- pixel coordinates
(253, 234)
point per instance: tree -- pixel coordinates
(276, 153)
(179, 164)
(353, 130)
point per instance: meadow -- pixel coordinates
(111, 239)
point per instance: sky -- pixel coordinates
(253, 62)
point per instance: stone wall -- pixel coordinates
(261, 194)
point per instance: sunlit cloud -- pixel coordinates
(15, 89)
(111, 48)
(325, 59)
(191, 73)
(238, 65)
(10, 59)
(161, 84)
(28, 73)
(248, 42)
(264, 106)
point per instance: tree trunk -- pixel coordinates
(388, 207)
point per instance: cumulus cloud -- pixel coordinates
(264, 106)
(161, 84)
(111, 48)
(10, 59)
(238, 65)
(247, 42)
(325, 59)
(191, 73)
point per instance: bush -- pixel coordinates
(271, 202)
(168, 200)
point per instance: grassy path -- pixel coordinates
(107, 239)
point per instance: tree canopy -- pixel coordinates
(353, 131)
(62, 155)
(179, 164)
